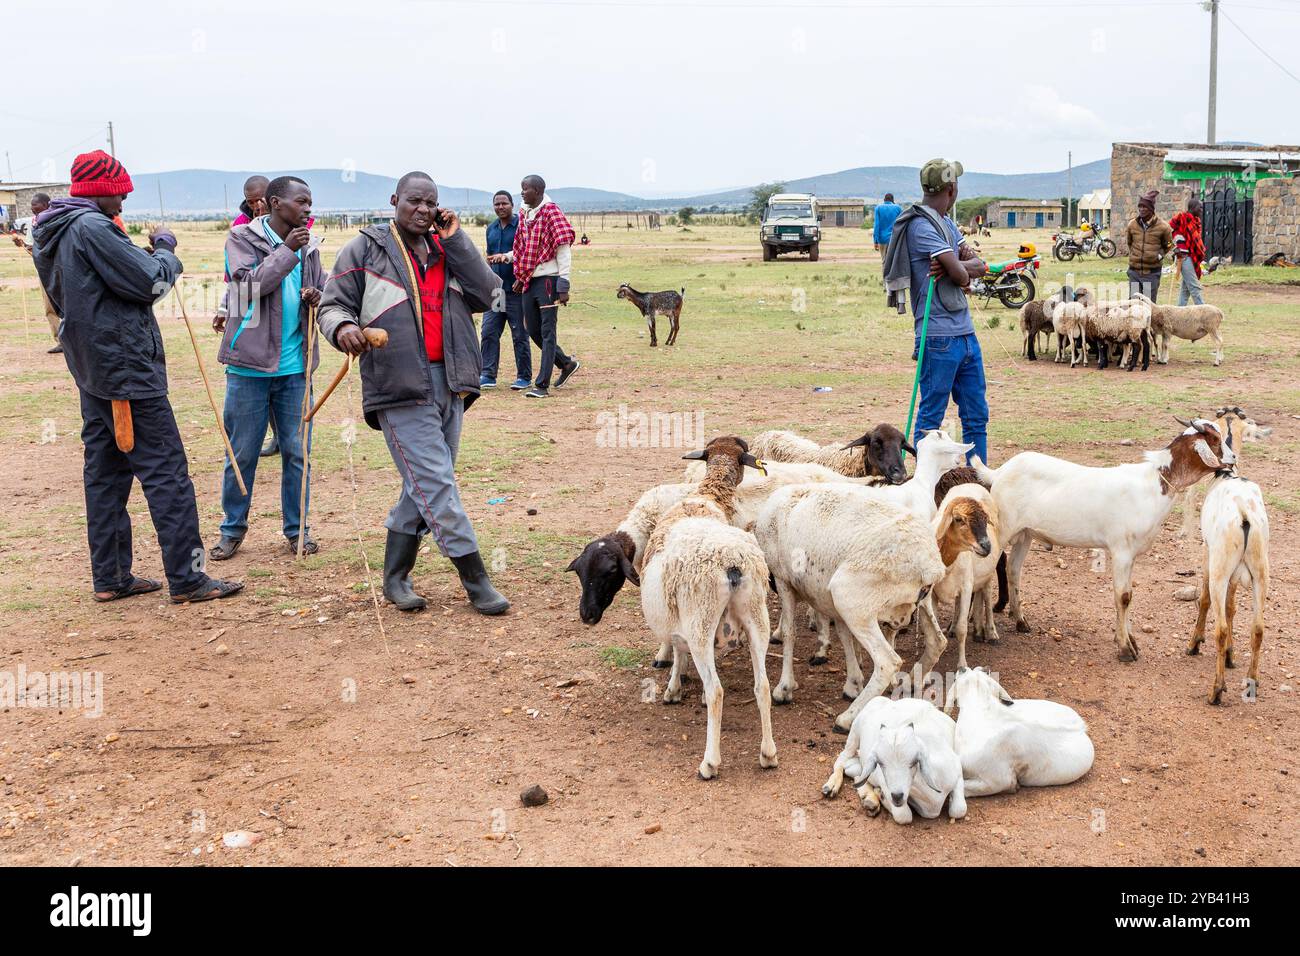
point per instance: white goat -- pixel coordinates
(1238, 429)
(969, 580)
(704, 583)
(1006, 744)
(1234, 526)
(1118, 509)
(902, 750)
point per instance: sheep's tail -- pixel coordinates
(1003, 593)
(683, 292)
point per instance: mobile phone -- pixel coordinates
(439, 219)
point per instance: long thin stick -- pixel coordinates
(334, 383)
(212, 400)
(304, 428)
(920, 358)
(27, 332)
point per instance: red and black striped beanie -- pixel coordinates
(99, 174)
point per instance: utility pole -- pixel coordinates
(1214, 70)
(112, 146)
(10, 164)
(1069, 196)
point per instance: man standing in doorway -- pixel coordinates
(543, 256)
(275, 279)
(1189, 252)
(883, 218)
(418, 279)
(926, 244)
(24, 240)
(510, 309)
(1149, 241)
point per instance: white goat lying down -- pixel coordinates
(1119, 509)
(704, 584)
(1006, 744)
(901, 753)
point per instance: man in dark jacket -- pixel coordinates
(275, 277)
(419, 279)
(104, 287)
(509, 309)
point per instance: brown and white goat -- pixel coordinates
(650, 304)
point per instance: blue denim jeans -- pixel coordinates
(251, 402)
(493, 324)
(953, 365)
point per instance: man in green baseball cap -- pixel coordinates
(927, 243)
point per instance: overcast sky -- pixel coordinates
(653, 98)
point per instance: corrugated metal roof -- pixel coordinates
(1228, 157)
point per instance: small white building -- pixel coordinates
(1095, 207)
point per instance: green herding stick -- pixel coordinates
(920, 359)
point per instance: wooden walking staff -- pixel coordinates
(303, 430)
(198, 357)
(378, 338)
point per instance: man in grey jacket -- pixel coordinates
(275, 278)
(419, 279)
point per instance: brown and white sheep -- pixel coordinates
(877, 453)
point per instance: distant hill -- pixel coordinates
(194, 192)
(872, 182)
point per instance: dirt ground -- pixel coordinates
(290, 713)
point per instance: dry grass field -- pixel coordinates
(289, 711)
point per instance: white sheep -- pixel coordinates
(855, 559)
(1125, 322)
(1234, 527)
(1118, 509)
(1006, 744)
(704, 588)
(902, 753)
(1190, 322)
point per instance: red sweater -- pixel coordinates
(430, 283)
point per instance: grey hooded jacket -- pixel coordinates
(897, 264)
(256, 269)
(370, 285)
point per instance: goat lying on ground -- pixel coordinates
(1234, 527)
(704, 587)
(650, 304)
(878, 452)
(1119, 509)
(1006, 744)
(902, 750)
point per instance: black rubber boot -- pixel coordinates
(399, 560)
(485, 598)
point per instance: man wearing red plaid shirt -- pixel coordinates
(542, 257)
(1189, 248)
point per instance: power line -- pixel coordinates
(59, 152)
(818, 5)
(1268, 56)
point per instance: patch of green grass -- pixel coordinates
(623, 657)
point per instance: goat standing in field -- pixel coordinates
(1234, 526)
(656, 303)
(1038, 496)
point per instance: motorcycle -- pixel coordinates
(1065, 246)
(1012, 282)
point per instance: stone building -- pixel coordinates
(16, 198)
(844, 213)
(1277, 219)
(1024, 214)
(1181, 170)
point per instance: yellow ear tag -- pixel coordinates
(761, 466)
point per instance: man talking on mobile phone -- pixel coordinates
(419, 279)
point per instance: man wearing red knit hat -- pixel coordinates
(104, 287)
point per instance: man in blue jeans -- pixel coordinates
(275, 277)
(508, 308)
(952, 364)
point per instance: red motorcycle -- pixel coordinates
(1012, 282)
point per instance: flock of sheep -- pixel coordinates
(1126, 327)
(845, 531)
